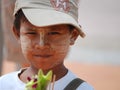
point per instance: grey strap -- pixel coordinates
(74, 84)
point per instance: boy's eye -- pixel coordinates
(31, 33)
(53, 33)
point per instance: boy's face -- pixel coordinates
(45, 47)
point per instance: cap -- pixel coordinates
(50, 12)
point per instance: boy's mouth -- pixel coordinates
(43, 56)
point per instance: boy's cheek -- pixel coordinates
(61, 45)
(25, 43)
(60, 49)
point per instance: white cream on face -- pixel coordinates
(25, 41)
(44, 47)
(41, 42)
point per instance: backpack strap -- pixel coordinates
(74, 84)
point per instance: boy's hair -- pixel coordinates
(19, 17)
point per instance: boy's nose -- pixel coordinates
(42, 41)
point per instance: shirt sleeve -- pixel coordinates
(1, 84)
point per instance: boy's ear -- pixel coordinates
(16, 33)
(74, 35)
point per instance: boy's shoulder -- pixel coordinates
(8, 81)
(85, 86)
(78, 83)
(8, 77)
(68, 78)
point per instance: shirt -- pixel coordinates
(11, 81)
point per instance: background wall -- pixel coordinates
(100, 20)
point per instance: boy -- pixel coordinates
(45, 29)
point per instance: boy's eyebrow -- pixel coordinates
(30, 29)
(51, 28)
(56, 28)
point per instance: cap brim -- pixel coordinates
(41, 18)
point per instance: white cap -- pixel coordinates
(50, 12)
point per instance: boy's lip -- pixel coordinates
(43, 56)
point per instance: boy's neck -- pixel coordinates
(59, 71)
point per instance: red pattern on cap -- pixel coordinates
(61, 5)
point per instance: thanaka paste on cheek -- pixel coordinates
(25, 44)
(61, 46)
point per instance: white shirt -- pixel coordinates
(11, 81)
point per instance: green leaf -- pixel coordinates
(42, 81)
